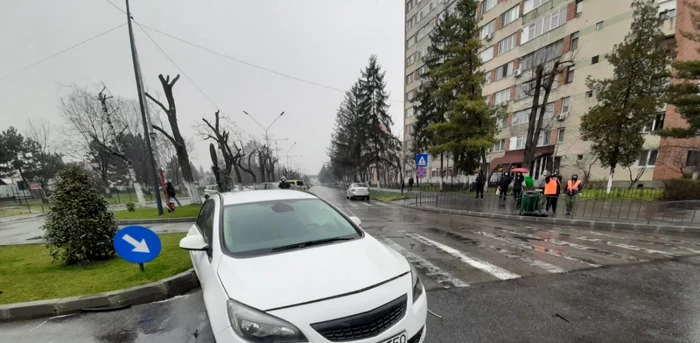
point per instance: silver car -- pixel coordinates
(357, 190)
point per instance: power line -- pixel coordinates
(59, 53)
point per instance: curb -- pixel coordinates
(10, 219)
(156, 221)
(592, 224)
(155, 291)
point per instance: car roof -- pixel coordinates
(230, 198)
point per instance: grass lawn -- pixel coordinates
(28, 274)
(151, 212)
(387, 196)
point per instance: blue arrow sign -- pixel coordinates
(421, 160)
(137, 244)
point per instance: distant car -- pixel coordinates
(297, 184)
(267, 185)
(210, 190)
(357, 190)
(285, 266)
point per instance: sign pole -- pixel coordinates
(141, 267)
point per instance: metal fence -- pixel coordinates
(607, 208)
(23, 202)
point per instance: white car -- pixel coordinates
(286, 266)
(210, 190)
(357, 190)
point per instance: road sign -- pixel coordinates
(421, 160)
(421, 172)
(137, 244)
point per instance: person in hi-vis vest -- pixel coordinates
(573, 187)
(552, 189)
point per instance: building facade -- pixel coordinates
(516, 34)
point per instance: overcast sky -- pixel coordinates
(324, 41)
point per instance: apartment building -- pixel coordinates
(518, 34)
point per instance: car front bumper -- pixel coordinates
(303, 316)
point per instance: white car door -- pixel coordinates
(201, 260)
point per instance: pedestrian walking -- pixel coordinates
(410, 184)
(170, 189)
(283, 183)
(552, 189)
(503, 186)
(403, 184)
(573, 188)
(480, 183)
(518, 188)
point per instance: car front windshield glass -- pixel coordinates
(259, 228)
(359, 185)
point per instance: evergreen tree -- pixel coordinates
(459, 121)
(685, 94)
(631, 97)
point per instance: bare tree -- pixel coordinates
(585, 165)
(220, 135)
(176, 138)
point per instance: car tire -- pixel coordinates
(367, 198)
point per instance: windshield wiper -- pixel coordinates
(310, 243)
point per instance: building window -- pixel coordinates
(668, 14)
(579, 7)
(565, 104)
(504, 71)
(501, 122)
(517, 143)
(410, 95)
(542, 55)
(488, 29)
(543, 138)
(411, 41)
(423, 70)
(501, 97)
(521, 117)
(425, 30)
(579, 157)
(410, 60)
(589, 94)
(409, 5)
(543, 25)
(656, 125)
(574, 41)
(599, 25)
(422, 53)
(411, 23)
(409, 78)
(595, 59)
(570, 74)
(532, 4)
(549, 111)
(499, 146)
(409, 112)
(523, 90)
(409, 129)
(693, 158)
(510, 15)
(647, 158)
(486, 54)
(560, 135)
(507, 44)
(488, 5)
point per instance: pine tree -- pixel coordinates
(631, 97)
(460, 122)
(685, 94)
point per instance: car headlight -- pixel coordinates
(258, 327)
(415, 281)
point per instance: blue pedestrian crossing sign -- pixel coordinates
(137, 244)
(421, 160)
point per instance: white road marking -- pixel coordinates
(353, 205)
(366, 204)
(496, 271)
(38, 326)
(381, 204)
(535, 263)
(442, 277)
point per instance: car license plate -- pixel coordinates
(400, 338)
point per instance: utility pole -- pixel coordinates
(142, 105)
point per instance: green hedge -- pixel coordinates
(681, 190)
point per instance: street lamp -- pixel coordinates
(264, 128)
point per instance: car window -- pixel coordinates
(257, 228)
(300, 183)
(205, 219)
(358, 185)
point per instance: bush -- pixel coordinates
(681, 190)
(130, 206)
(79, 225)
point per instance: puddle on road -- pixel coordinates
(454, 236)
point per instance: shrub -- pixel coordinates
(79, 225)
(681, 190)
(130, 206)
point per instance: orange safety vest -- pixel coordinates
(551, 187)
(571, 186)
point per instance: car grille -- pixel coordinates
(416, 337)
(363, 325)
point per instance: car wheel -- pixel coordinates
(367, 198)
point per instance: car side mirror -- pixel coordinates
(356, 220)
(194, 243)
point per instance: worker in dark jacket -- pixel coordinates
(552, 189)
(573, 188)
(518, 188)
(480, 183)
(503, 186)
(170, 189)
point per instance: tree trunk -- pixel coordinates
(696, 175)
(610, 179)
(442, 161)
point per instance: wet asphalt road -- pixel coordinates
(490, 280)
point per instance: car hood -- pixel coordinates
(309, 274)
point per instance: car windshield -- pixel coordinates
(300, 183)
(358, 185)
(261, 228)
